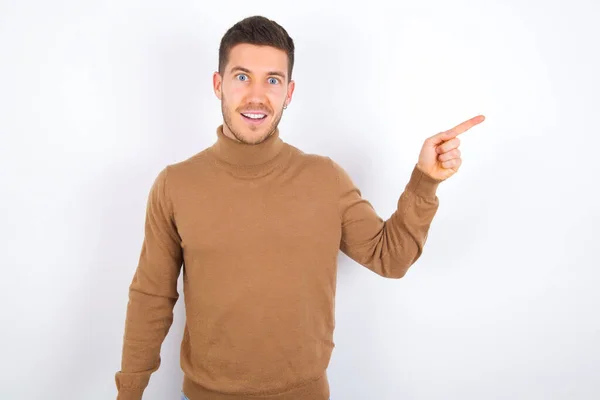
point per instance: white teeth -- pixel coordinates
(254, 116)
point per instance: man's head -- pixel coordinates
(254, 80)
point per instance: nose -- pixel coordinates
(256, 92)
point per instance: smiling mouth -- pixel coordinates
(254, 116)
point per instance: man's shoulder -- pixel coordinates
(196, 160)
(325, 165)
(314, 160)
(192, 167)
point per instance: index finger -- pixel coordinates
(464, 126)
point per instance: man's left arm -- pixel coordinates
(390, 247)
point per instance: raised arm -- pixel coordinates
(387, 247)
(390, 247)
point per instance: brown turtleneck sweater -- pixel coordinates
(256, 231)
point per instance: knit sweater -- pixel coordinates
(256, 231)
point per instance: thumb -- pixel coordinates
(438, 139)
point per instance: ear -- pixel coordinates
(217, 82)
(290, 92)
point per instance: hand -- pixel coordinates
(440, 155)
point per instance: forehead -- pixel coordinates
(258, 59)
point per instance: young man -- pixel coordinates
(255, 225)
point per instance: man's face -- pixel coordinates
(253, 90)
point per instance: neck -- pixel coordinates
(231, 151)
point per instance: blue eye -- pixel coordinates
(274, 81)
(242, 75)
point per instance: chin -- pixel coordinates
(253, 133)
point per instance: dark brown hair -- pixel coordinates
(257, 30)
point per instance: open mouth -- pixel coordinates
(254, 117)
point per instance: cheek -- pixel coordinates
(235, 94)
(232, 100)
(277, 95)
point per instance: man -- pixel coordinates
(256, 225)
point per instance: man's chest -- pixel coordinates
(245, 219)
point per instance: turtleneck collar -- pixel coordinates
(246, 155)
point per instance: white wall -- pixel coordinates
(96, 97)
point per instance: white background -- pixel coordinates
(96, 97)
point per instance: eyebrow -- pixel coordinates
(246, 70)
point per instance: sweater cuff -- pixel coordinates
(130, 394)
(422, 184)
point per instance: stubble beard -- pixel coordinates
(228, 120)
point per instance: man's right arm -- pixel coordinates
(152, 294)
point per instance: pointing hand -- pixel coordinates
(440, 155)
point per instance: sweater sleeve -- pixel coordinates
(387, 247)
(152, 294)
